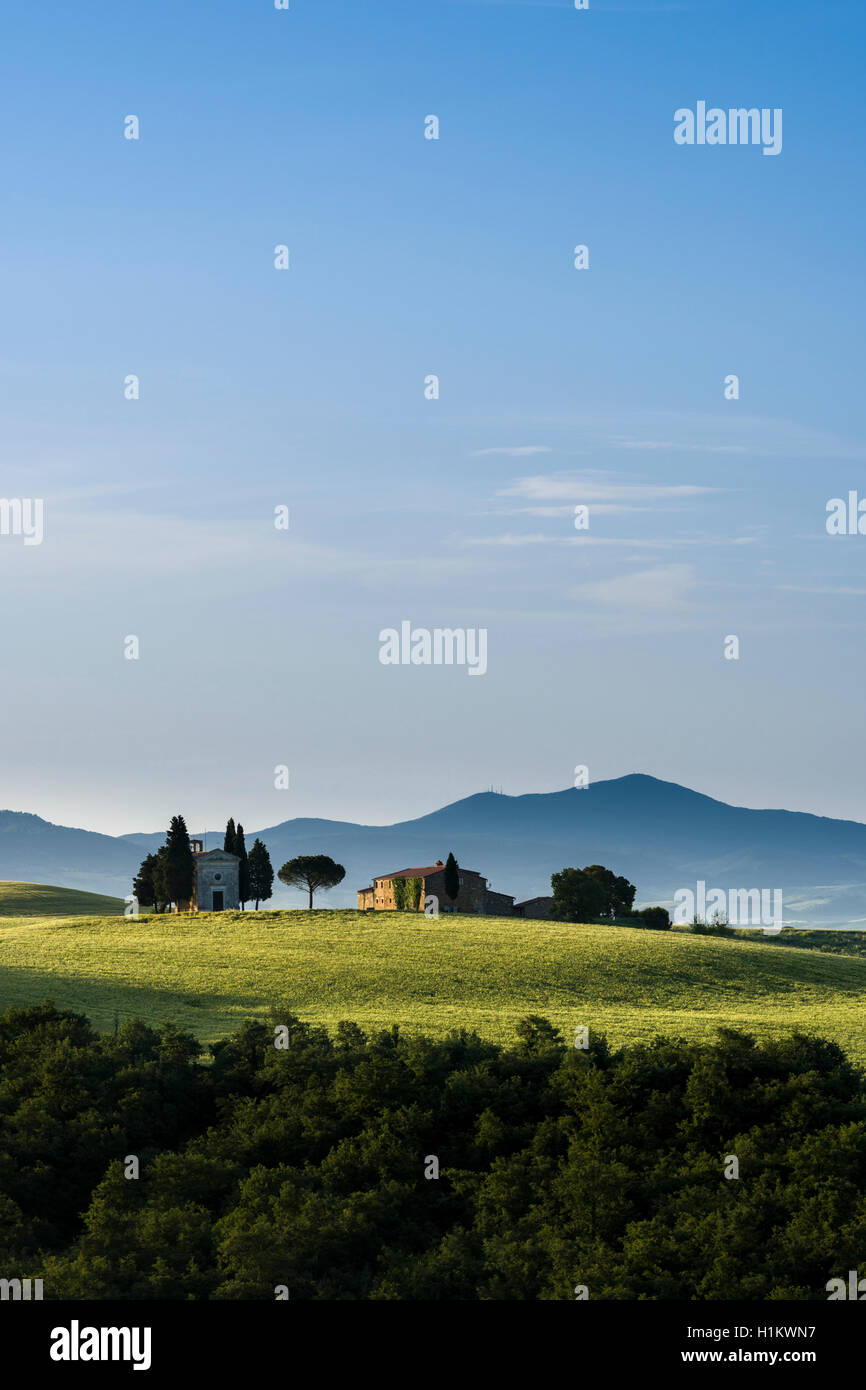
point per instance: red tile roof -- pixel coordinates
(422, 873)
(412, 873)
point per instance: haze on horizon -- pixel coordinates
(216, 833)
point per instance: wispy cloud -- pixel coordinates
(665, 587)
(597, 487)
(567, 509)
(829, 589)
(513, 450)
(634, 542)
(621, 441)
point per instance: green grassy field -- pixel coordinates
(208, 973)
(44, 900)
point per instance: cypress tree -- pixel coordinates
(178, 862)
(231, 836)
(144, 885)
(261, 873)
(161, 900)
(240, 850)
(452, 877)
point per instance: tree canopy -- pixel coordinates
(261, 873)
(618, 892)
(167, 876)
(145, 885)
(178, 862)
(306, 1166)
(452, 877)
(314, 872)
(243, 867)
(577, 896)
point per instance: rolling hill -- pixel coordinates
(661, 835)
(46, 900)
(36, 851)
(210, 972)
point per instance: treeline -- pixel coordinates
(598, 894)
(165, 879)
(312, 1168)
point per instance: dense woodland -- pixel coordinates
(305, 1166)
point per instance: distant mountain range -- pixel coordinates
(658, 834)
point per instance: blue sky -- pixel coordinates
(305, 388)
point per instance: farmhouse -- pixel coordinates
(473, 895)
(215, 881)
